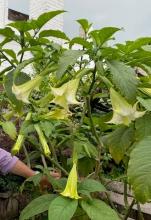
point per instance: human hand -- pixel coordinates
(45, 184)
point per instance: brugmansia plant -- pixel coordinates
(94, 101)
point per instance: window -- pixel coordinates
(17, 16)
(18, 10)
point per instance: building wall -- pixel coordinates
(36, 7)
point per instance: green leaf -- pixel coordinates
(36, 206)
(143, 127)
(97, 210)
(85, 148)
(84, 24)
(22, 66)
(54, 33)
(45, 17)
(138, 44)
(103, 35)
(62, 208)
(21, 26)
(5, 70)
(7, 32)
(124, 78)
(119, 141)
(32, 49)
(10, 52)
(89, 185)
(139, 170)
(80, 41)
(146, 103)
(10, 129)
(26, 128)
(47, 127)
(106, 33)
(68, 58)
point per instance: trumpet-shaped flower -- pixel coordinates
(23, 91)
(56, 114)
(66, 94)
(42, 140)
(20, 139)
(123, 112)
(18, 144)
(71, 186)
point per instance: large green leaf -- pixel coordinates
(84, 24)
(7, 32)
(10, 52)
(138, 44)
(146, 103)
(54, 33)
(106, 33)
(68, 58)
(81, 41)
(62, 208)
(10, 129)
(139, 170)
(47, 16)
(124, 78)
(36, 206)
(97, 210)
(143, 127)
(89, 185)
(21, 26)
(118, 142)
(103, 35)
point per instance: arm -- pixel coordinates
(12, 164)
(9, 163)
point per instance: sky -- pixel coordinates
(132, 15)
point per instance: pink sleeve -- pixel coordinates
(7, 161)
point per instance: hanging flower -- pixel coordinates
(71, 186)
(20, 139)
(59, 114)
(16, 148)
(123, 112)
(66, 94)
(23, 91)
(42, 140)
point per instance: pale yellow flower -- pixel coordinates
(71, 186)
(20, 139)
(42, 140)
(123, 112)
(59, 114)
(23, 91)
(66, 94)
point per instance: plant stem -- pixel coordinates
(44, 161)
(12, 64)
(93, 81)
(92, 124)
(129, 210)
(53, 151)
(98, 164)
(58, 165)
(27, 156)
(125, 194)
(140, 215)
(22, 45)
